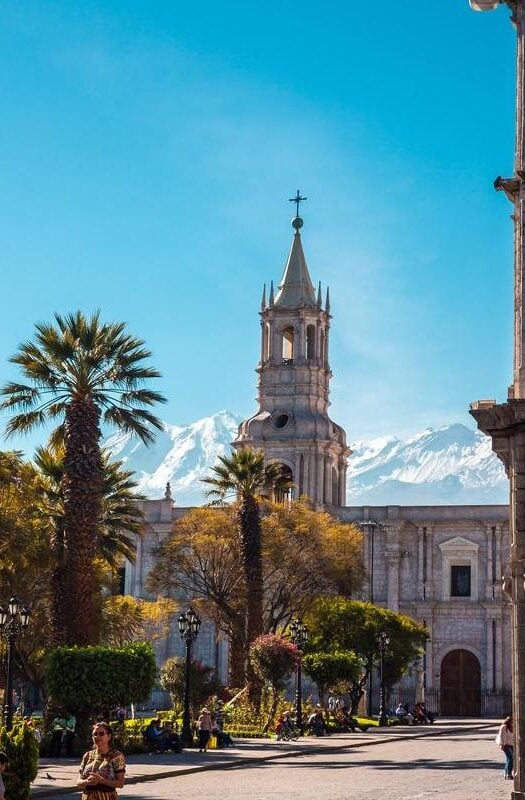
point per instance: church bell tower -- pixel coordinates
(292, 425)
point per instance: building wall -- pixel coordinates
(409, 551)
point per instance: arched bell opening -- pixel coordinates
(284, 494)
(288, 345)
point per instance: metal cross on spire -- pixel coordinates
(297, 200)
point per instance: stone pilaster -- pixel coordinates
(505, 423)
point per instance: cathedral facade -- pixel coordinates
(441, 565)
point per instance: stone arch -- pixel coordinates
(288, 344)
(460, 683)
(288, 469)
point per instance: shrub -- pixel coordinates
(96, 678)
(21, 748)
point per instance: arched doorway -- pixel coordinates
(460, 685)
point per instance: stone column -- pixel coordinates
(505, 423)
(320, 478)
(430, 589)
(420, 560)
(488, 669)
(489, 565)
(327, 493)
(306, 474)
(392, 561)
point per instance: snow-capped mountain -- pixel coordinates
(448, 465)
(182, 455)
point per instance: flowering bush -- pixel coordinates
(274, 658)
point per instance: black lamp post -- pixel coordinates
(383, 640)
(13, 621)
(189, 624)
(299, 636)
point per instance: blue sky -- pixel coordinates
(147, 151)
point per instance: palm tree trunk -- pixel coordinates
(82, 490)
(251, 533)
(59, 605)
(237, 667)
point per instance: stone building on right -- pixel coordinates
(442, 565)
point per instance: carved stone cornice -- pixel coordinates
(500, 421)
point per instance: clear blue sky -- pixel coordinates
(147, 151)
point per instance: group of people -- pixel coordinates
(419, 715)
(63, 730)
(212, 724)
(162, 737)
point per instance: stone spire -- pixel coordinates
(271, 298)
(296, 288)
(319, 296)
(263, 301)
(327, 304)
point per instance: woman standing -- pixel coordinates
(102, 768)
(205, 725)
(505, 739)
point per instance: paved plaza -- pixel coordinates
(456, 762)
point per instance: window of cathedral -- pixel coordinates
(460, 580)
(459, 568)
(281, 421)
(321, 348)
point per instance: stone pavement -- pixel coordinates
(59, 776)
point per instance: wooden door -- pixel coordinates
(460, 685)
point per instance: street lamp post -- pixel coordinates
(13, 621)
(299, 637)
(383, 640)
(189, 624)
(505, 422)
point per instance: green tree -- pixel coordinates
(95, 679)
(80, 373)
(338, 624)
(329, 669)
(246, 475)
(21, 748)
(274, 658)
(202, 681)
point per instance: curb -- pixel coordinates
(272, 757)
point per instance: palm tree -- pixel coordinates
(82, 373)
(245, 474)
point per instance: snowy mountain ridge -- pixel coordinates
(448, 465)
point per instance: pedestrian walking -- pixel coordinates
(505, 740)
(205, 726)
(4, 761)
(103, 768)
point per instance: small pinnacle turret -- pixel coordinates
(263, 300)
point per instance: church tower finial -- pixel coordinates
(263, 301)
